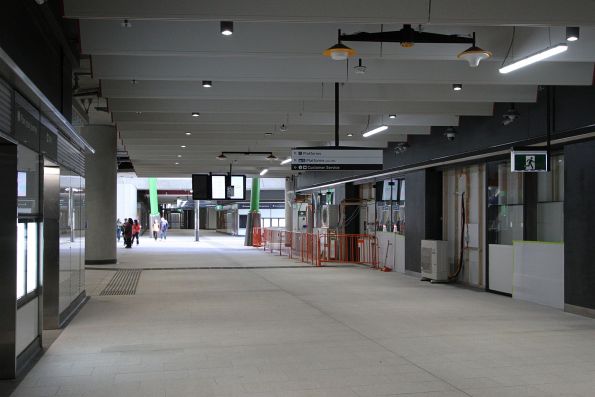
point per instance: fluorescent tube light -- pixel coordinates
(375, 131)
(264, 171)
(286, 161)
(540, 56)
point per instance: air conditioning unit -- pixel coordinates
(330, 216)
(434, 260)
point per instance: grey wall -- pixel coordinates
(423, 209)
(29, 35)
(8, 272)
(579, 223)
(268, 195)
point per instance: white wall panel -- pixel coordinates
(539, 273)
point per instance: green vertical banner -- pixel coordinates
(254, 214)
(255, 195)
(153, 196)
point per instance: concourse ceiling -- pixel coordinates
(271, 72)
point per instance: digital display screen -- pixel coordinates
(21, 184)
(218, 187)
(239, 187)
(200, 187)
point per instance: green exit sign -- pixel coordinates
(529, 161)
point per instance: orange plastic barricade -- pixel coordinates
(257, 237)
(319, 248)
(349, 248)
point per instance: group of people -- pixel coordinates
(130, 230)
(160, 228)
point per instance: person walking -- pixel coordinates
(118, 229)
(135, 231)
(128, 233)
(164, 227)
(155, 229)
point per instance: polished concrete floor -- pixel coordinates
(294, 331)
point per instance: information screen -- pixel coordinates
(239, 187)
(200, 187)
(218, 187)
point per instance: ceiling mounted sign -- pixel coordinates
(529, 161)
(330, 158)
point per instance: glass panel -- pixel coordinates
(282, 222)
(28, 181)
(21, 255)
(505, 204)
(550, 221)
(32, 256)
(65, 237)
(550, 206)
(274, 222)
(82, 233)
(266, 222)
(550, 185)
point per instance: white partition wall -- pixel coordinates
(127, 201)
(501, 268)
(539, 273)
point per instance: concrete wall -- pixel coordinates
(579, 225)
(423, 201)
(33, 44)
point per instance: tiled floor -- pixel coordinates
(305, 332)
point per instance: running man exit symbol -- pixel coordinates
(529, 163)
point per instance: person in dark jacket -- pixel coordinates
(128, 233)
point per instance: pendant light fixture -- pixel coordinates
(221, 157)
(207, 83)
(474, 55)
(271, 157)
(339, 52)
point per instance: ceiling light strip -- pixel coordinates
(375, 131)
(531, 59)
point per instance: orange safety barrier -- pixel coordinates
(349, 248)
(318, 248)
(257, 237)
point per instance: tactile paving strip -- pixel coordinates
(124, 282)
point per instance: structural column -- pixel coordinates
(254, 214)
(101, 195)
(289, 193)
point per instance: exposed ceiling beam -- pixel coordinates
(325, 70)
(277, 119)
(315, 91)
(168, 130)
(226, 106)
(484, 12)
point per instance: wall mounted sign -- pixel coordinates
(336, 159)
(529, 161)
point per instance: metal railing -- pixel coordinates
(320, 247)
